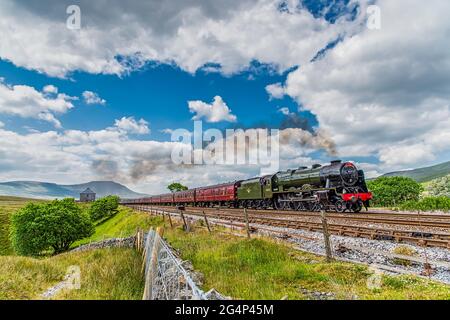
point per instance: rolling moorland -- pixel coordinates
(423, 174)
(45, 190)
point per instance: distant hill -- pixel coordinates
(423, 174)
(45, 190)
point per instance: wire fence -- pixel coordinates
(165, 277)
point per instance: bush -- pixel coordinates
(440, 187)
(428, 204)
(37, 228)
(393, 191)
(104, 208)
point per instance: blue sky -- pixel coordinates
(335, 87)
(158, 93)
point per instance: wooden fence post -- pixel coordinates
(170, 219)
(246, 223)
(185, 226)
(206, 221)
(326, 236)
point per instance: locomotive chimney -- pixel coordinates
(336, 161)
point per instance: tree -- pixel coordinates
(393, 191)
(38, 228)
(440, 187)
(104, 208)
(173, 187)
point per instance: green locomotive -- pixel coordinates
(338, 187)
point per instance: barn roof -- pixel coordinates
(88, 191)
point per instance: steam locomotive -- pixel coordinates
(335, 187)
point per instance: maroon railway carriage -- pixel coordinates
(222, 194)
(185, 197)
(166, 199)
(155, 200)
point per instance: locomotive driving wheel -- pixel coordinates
(357, 206)
(340, 206)
(277, 204)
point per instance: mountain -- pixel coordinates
(34, 189)
(423, 174)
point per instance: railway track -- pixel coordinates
(421, 220)
(292, 220)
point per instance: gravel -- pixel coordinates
(315, 244)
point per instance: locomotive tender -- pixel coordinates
(335, 187)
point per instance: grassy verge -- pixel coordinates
(263, 269)
(248, 269)
(105, 274)
(125, 223)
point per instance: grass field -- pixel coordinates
(248, 269)
(105, 274)
(263, 269)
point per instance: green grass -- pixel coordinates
(125, 223)
(9, 205)
(263, 269)
(105, 274)
(259, 268)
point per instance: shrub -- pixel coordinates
(428, 204)
(104, 208)
(393, 191)
(440, 187)
(37, 228)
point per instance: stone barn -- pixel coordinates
(87, 195)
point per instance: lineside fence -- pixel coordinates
(165, 277)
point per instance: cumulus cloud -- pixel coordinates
(129, 124)
(275, 90)
(120, 37)
(92, 98)
(215, 112)
(27, 102)
(384, 93)
(50, 89)
(111, 153)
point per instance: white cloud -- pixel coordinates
(132, 126)
(92, 98)
(215, 112)
(188, 33)
(2, 124)
(112, 154)
(167, 131)
(275, 90)
(284, 111)
(50, 89)
(385, 93)
(26, 102)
